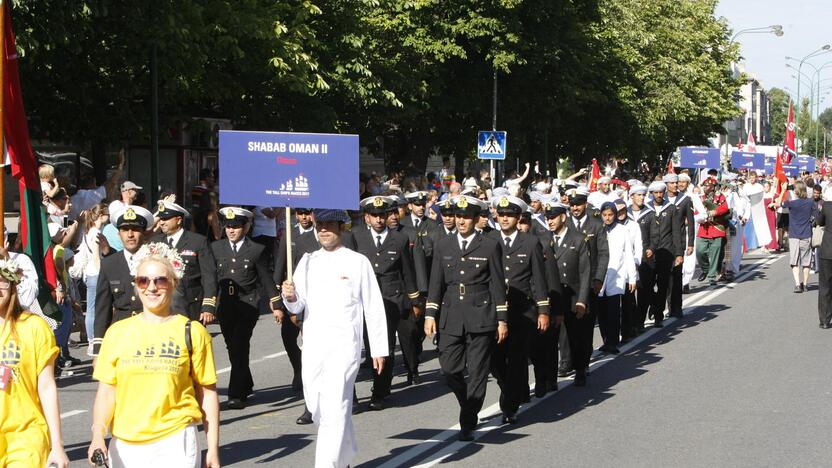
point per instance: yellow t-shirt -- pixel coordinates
(24, 435)
(148, 365)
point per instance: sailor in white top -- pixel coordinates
(337, 289)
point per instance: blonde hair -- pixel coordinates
(46, 171)
(800, 189)
(13, 309)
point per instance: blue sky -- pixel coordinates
(807, 25)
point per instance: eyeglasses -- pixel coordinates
(161, 282)
(5, 285)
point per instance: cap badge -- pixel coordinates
(129, 215)
(462, 203)
(229, 214)
(504, 202)
(378, 202)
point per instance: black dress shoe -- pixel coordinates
(686, 289)
(539, 389)
(236, 404)
(658, 325)
(305, 418)
(712, 282)
(580, 380)
(509, 417)
(551, 387)
(413, 378)
(565, 372)
(376, 404)
(798, 289)
(613, 350)
(824, 325)
(702, 277)
(466, 435)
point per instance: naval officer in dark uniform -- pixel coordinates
(115, 295)
(467, 304)
(390, 255)
(571, 253)
(241, 267)
(196, 296)
(528, 305)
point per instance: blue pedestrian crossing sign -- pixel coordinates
(491, 145)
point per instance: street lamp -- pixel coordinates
(775, 29)
(825, 48)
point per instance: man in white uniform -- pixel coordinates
(338, 291)
(603, 194)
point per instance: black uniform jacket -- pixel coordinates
(596, 241)
(573, 262)
(685, 207)
(115, 296)
(467, 290)
(661, 229)
(525, 273)
(200, 281)
(238, 274)
(392, 264)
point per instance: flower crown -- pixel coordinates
(160, 249)
(10, 271)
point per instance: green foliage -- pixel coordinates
(597, 78)
(778, 101)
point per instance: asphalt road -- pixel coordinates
(742, 380)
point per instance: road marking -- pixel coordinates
(491, 414)
(72, 413)
(225, 370)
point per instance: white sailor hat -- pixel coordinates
(472, 191)
(132, 216)
(542, 186)
(235, 216)
(670, 178)
(604, 180)
(633, 182)
(499, 191)
(168, 209)
(640, 188)
(657, 186)
(578, 196)
(468, 205)
(570, 184)
(417, 198)
(554, 209)
(537, 196)
(509, 204)
(378, 204)
(684, 177)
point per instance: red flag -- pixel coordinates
(780, 174)
(33, 230)
(594, 176)
(670, 166)
(751, 145)
(789, 148)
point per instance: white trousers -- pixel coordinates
(179, 450)
(689, 267)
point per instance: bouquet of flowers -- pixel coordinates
(10, 271)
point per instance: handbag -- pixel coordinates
(817, 236)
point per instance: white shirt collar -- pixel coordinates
(175, 237)
(470, 238)
(562, 236)
(304, 231)
(513, 236)
(375, 235)
(239, 244)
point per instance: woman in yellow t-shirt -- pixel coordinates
(29, 414)
(156, 376)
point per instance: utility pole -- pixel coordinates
(494, 126)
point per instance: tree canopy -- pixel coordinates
(597, 78)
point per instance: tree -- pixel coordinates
(779, 113)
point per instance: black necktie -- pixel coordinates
(508, 242)
(170, 241)
(234, 247)
(464, 245)
(417, 221)
(378, 242)
(557, 241)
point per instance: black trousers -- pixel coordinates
(676, 291)
(629, 315)
(382, 382)
(659, 278)
(471, 351)
(544, 354)
(824, 290)
(411, 335)
(579, 330)
(609, 319)
(290, 332)
(510, 362)
(237, 322)
(645, 293)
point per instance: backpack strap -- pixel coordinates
(188, 343)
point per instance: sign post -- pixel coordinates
(292, 170)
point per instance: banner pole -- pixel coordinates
(2, 114)
(288, 231)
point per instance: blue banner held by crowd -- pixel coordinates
(298, 170)
(747, 160)
(699, 157)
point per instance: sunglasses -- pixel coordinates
(161, 282)
(4, 285)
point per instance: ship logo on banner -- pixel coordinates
(297, 187)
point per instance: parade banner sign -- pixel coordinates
(748, 160)
(800, 164)
(699, 158)
(297, 170)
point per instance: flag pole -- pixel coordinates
(288, 230)
(2, 118)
